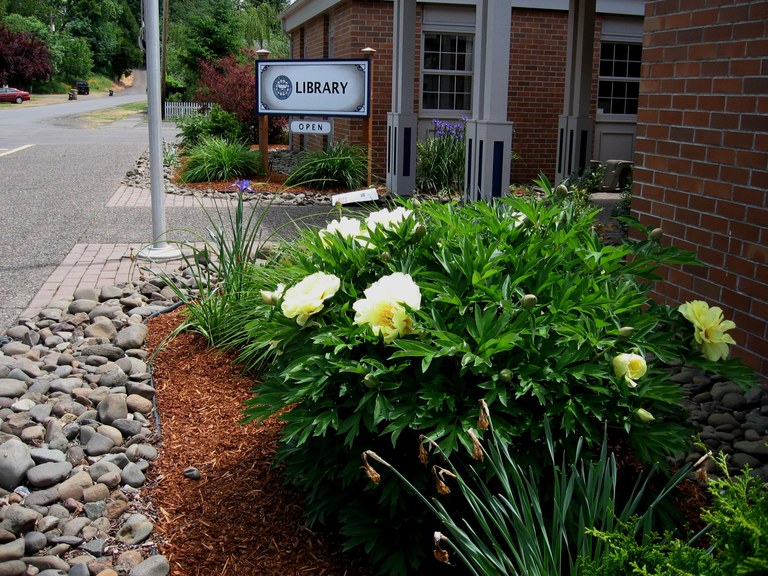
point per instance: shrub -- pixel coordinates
(440, 159)
(215, 159)
(737, 527)
(339, 166)
(216, 123)
(436, 307)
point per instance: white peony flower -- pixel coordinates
(382, 308)
(345, 227)
(271, 298)
(307, 297)
(386, 219)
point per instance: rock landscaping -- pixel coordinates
(77, 434)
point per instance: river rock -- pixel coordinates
(48, 474)
(152, 566)
(15, 460)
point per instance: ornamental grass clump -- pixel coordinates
(413, 314)
(340, 165)
(217, 159)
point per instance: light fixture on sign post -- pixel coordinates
(369, 52)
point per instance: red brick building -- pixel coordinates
(538, 48)
(690, 77)
(701, 162)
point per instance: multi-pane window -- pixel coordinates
(619, 83)
(447, 72)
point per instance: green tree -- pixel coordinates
(200, 31)
(261, 29)
(78, 60)
(127, 53)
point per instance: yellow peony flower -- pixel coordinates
(306, 298)
(382, 308)
(629, 366)
(709, 328)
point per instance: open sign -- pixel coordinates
(310, 127)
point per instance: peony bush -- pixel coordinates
(385, 327)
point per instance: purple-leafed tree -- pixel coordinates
(23, 58)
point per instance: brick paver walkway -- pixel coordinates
(96, 265)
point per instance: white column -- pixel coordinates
(488, 133)
(575, 127)
(402, 121)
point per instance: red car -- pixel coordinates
(13, 95)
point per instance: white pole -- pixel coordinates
(159, 249)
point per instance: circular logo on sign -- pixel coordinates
(282, 87)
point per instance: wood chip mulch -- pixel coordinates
(238, 518)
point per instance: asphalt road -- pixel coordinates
(57, 173)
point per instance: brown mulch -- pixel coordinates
(238, 518)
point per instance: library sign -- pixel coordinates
(313, 87)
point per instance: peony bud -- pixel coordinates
(268, 297)
(656, 234)
(626, 332)
(529, 301)
(561, 190)
(644, 416)
(385, 256)
(370, 380)
(505, 375)
(419, 230)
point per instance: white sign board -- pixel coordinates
(366, 195)
(313, 87)
(310, 127)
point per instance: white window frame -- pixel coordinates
(468, 74)
(618, 78)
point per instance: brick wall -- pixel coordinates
(536, 84)
(702, 156)
(358, 25)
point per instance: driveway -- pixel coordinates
(57, 174)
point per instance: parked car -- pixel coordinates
(13, 95)
(82, 87)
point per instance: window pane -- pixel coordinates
(606, 68)
(430, 100)
(448, 62)
(635, 52)
(431, 43)
(633, 70)
(431, 61)
(430, 83)
(621, 52)
(446, 102)
(620, 69)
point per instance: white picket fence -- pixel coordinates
(178, 109)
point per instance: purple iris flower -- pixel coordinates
(242, 185)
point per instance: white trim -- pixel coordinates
(302, 11)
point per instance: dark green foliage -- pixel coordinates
(214, 159)
(339, 166)
(216, 123)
